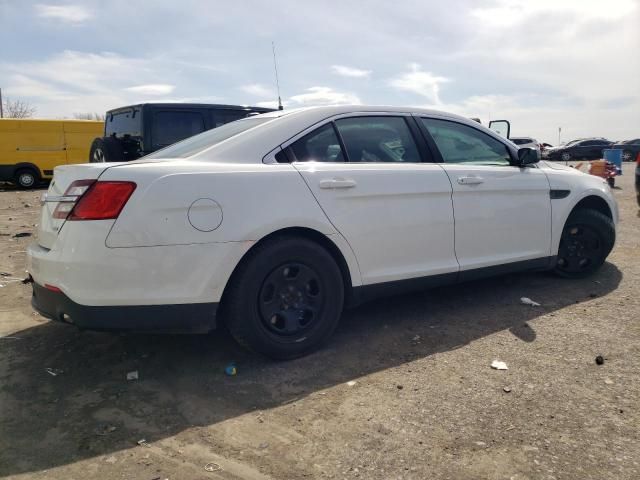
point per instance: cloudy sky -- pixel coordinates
(541, 64)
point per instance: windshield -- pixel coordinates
(204, 140)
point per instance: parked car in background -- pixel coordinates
(544, 146)
(526, 142)
(30, 149)
(582, 149)
(630, 149)
(136, 130)
(638, 179)
(279, 220)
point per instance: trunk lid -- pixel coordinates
(63, 177)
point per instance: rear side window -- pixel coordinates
(321, 145)
(378, 139)
(126, 122)
(462, 144)
(172, 126)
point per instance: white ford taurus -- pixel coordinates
(273, 223)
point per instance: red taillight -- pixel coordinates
(638, 159)
(70, 197)
(52, 288)
(102, 201)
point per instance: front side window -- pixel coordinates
(378, 139)
(171, 127)
(462, 144)
(321, 145)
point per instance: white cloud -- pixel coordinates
(258, 90)
(325, 96)
(503, 13)
(152, 89)
(66, 13)
(350, 71)
(420, 82)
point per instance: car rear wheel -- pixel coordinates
(627, 156)
(26, 178)
(587, 238)
(285, 299)
(566, 156)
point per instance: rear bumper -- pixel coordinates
(190, 317)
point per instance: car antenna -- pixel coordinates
(275, 68)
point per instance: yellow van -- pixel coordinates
(30, 149)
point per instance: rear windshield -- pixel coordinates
(198, 143)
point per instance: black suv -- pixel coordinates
(585, 148)
(137, 130)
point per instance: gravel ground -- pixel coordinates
(404, 390)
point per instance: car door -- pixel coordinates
(502, 212)
(394, 209)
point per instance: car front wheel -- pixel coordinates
(285, 299)
(587, 238)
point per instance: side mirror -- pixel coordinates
(528, 156)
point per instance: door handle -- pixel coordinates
(330, 183)
(473, 180)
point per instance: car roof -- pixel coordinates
(251, 145)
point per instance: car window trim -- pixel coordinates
(433, 144)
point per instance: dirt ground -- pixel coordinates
(403, 390)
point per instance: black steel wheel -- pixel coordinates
(285, 298)
(587, 238)
(290, 299)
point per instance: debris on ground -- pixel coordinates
(399, 387)
(29, 279)
(132, 375)
(528, 301)
(608, 381)
(351, 383)
(143, 443)
(111, 460)
(599, 360)
(506, 389)
(103, 430)
(22, 234)
(498, 365)
(5, 274)
(231, 370)
(212, 467)
(263, 445)
(54, 372)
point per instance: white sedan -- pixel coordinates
(272, 224)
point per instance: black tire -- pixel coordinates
(566, 157)
(26, 178)
(611, 181)
(106, 150)
(271, 308)
(587, 238)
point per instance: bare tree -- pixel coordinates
(89, 116)
(18, 109)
